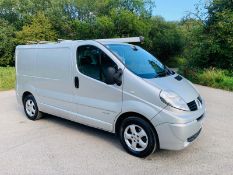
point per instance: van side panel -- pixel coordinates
(53, 81)
(25, 71)
(26, 65)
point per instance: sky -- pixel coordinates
(173, 10)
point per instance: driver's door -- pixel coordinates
(98, 103)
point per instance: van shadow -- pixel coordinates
(106, 137)
(103, 135)
(165, 155)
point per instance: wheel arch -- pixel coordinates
(25, 94)
(130, 114)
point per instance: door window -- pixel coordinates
(93, 62)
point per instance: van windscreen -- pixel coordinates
(139, 61)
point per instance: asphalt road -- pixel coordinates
(57, 146)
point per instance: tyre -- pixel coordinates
(31, 108)
(138, 137)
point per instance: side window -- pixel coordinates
(93, 62)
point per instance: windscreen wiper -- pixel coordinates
(161, 74)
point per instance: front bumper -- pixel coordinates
(176, 130)
(178, 136)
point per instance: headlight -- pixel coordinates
(172, 99)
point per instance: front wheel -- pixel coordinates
(138, 137)
(31, 108)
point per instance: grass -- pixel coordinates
(7, 78)
(211, 77)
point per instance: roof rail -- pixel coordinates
(63, 40)
(39, 42)
(123, 40)
(45, 42)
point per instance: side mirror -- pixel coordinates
(118, 77)
(113, 76)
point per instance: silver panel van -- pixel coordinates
(111, 85)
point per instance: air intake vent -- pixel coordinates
(179, 78)
(192, 105)
(192, 138)
(199, 118)
(199, 98)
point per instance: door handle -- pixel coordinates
(76, 82)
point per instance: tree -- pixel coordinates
(19, 12)
(7, 44)
(104, 7)
(219, 31)
(39, 30)
(104, 27)
(211, 42)
(129, 24)
(166, 39)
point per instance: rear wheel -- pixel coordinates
(31, 108)
(138, 137)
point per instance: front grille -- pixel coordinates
(192, 138)
(192, 105)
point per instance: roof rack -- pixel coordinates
(39, 42)
(123, 40)
(120, 40)
(63, 40)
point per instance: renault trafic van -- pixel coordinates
(111, 85)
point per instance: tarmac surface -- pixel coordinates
(56, 146)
